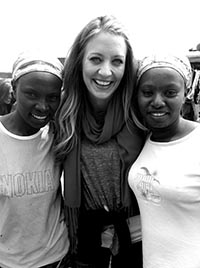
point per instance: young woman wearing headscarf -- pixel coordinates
(166, 176)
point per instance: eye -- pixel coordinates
(118, 62)
(171, 93)
(54, 98)
(146, 93)
(95, 60)
(31, 95)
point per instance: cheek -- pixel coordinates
(22, 107)
(87, 68)
(177, 106)
(178, 102)
(119, 73)
(141, 100)
(143, 104)
(87, 73)
(86, 80)
(55, 106)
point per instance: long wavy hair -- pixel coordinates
(74, 89)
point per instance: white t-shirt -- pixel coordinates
(166, 181)
(32, 228)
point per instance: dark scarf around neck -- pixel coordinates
(130, 141)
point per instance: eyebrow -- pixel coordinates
(100, 54)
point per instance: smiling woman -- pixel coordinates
(165, 176)
(30, 189)
(37, 82)
(96, 142)
(103, 67)
(36, 105)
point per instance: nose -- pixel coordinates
(105, 69)
(158, 101)
(42, 105)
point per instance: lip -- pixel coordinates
(157, 114)
(102, 83)
(40, 117)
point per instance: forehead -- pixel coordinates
(106, 43)
(161, 75)
(36, 79)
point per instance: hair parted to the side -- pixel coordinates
(69, 111)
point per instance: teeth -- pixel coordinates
(39, 117)
(102, 83)
(158, 114)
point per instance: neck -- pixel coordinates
(97, 104)
(17, 127)
(100, 105)
(177, 130)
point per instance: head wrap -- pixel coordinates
(180, 64)
(36, 61)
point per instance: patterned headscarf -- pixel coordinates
(180, 64)
(36, 61)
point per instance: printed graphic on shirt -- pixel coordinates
(28, 183)
(146, 183)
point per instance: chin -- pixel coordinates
(39, 125)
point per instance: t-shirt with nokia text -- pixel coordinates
(33, 232)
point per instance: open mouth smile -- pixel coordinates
(158, 114)
(103, 83)
(39, 117)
